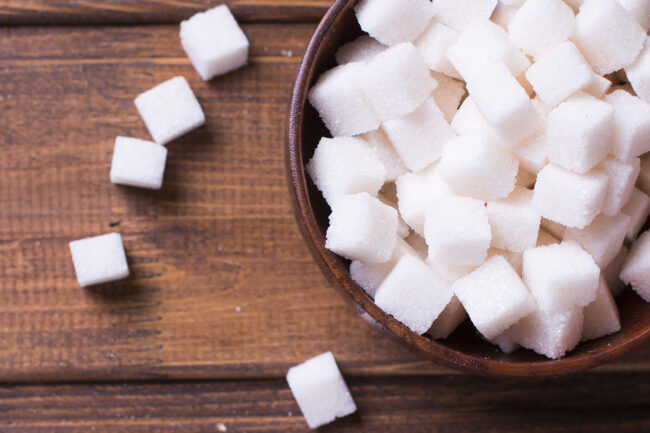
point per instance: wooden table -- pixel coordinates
(224, 296)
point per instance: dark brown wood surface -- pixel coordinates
(222, 287)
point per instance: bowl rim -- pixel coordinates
(339, 277)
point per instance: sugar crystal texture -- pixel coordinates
(413, 294)
(170, 110)
(601, 315)
(99, 259)
(433, 45)
(448, 95)
(622, 177)
(640, 10)
(643, 182)
(514, 221)
(394, 21)
(453, 315)
(138, 163)
(607, 35)
(603, 238)
(638, 209)
(386, 153)
(494, 297)
(636, 270)
(631, 127)
(460, 14)
(361, 49)
(214, 42)
(320, 391)
(612, 273)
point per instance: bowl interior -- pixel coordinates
(464, 349)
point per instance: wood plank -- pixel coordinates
(33, 12)
(588, 403)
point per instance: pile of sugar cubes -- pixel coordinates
(491, 159)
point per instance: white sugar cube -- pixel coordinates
(556, 230)
(99, 259)
(386, 153)
(341, 103)
(361, 49)
(457, 231)
(607, 35)
(539, 25)
(516, 260)
(214, 42)
(345, 165)
(636, 270)
(638, 73)
(631, 127)
(601, 315)
(643, 182)
(474, 166)
(505, 343)
(138, 163)
(502, 14)
(569, 198)
(559, 73)
(397, 81)
(451, 273)
(433, 45)
(170, 110)
(578, 134)
(470, 121)
(394, 21)
(560, 276)
(413, 294)
(603, 238)
(418, 136)
(545, 238)
(514, 221)
(320, 391)
(598, 87)
(532, 153)
(622, 177)
(448, 95)
(612, 273)
(638, 209)
(453, 315)
(494, 297)
(549, 334)
(525, 178)
(640, 10)
(362, 228)
(460, 14)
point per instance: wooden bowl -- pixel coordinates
(464, 349)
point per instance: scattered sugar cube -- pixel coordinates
(631, 127)
(362, 228)
(451, 273)
(457, 231)
(643, 182)
(638, 209)
(532, 153)
(549, 334)
(601, 315)
(640, 10)
(475, 167)
(638, 73)
(394, 21)
(502, 14)
(453, 315)
(603, 238)
(470, 121)
(636, 270)
(612, 273)
(598, 87)
(460, 14)
(214, 42)
(578, 134)
(386, 153)
(413, 294)
(433, 45)
(569, 198)
(525, 178)
(494, 297)
(554, 229)
(320, 391)
(514, 221)
(545, 238)
(559, 73)
(607, 35)
(448, 95)
(138, 163)
(397, 81)
(505, 343)
(539, 25)
(621, 183)
(516, 260)
(361, 49)
(170, 110)
(560, 276)
(418, 136)
(99, 259)
(341, 103)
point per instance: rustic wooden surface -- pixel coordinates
(222, 287)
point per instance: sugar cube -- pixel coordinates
(138, 163)
(560, 276)
(413, 294)
(640, 10)
(598, 87)
(612, 273)
(554, 229)
(361, 49)
(362, 228)
(320, 391)
(474, 166)
(539, 25)
(99, 259)
(214, 42)
(453, 315)
(603, 238)
(532, 153)
(502, 14)
(394, 21)
(607, 35)
(341, 103)
(621, 183)
(638, 73)
(515, 259)
(559, 73)
(448, 95)
(457, 231)
(643, 182)
(578, 134)
(631, 127)
(418, 136)
(460, 14)
(170, 110)
(545, 238)
(514, 221)
(397, 81)
(469, 120)
(433, 45)
(505, 343)
(601, 315)
(636, 270)
(638, 209)
(494, 297)
(386, 153)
